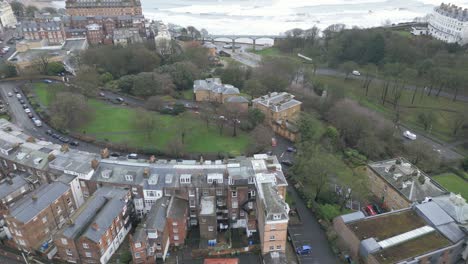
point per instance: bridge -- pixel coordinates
(233, 38)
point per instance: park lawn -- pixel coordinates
(453, 183)
(115, 124)
(187, 94)
(272, 51)
(409, 113)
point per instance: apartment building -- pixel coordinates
(399, 184)
(103, 8)
(449, 23)
(272, 215)
(33, 219)
(213, 90)
(166, 225)
(96, 230)
(52, 31)
(281, 112)
(424, 233)
(14, 186)
(7, 17)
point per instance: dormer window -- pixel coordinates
(106, 174)
(185, 178)
(277, 217)
(128, 177)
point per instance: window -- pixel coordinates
(158, 246)
(137, 245)
(235, 204)
(137, 255)
(210, 229)
(192, 203)
(64, 241)
(251, 193)
(205, 193)
(272, 238)
(88, 254)
(68, 200)
(251, 180)
(44, 219)
(59, 210)
(68, 251)
(219, 192)
(175, 223)
(185, 178)
(85, 245)
(234, 193)
(278, 247)
(191, 192)
(176, 237)
(175, 230)
(276, 216)
(272, 227)
(272, 247)
(18, 233)
(128, 177)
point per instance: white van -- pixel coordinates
(407, 134)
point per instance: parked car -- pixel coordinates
(303, 250)
(37, 122)
(15, 90)
(292, 149)
(377, 208)
(30, 115)
(27, 110)
(407, 134)
(57, 136)
(356, 73)
(102, 94)
(47, 81)
(49, 132)
(25, 106)
(18, 96)
(370, 210)
(64, 139)
(115, 154)
(10, 94)
(21, 101)
(132, 156)
(74, 143)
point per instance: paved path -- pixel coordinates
(310, 233)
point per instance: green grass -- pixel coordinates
(187, 94)
(409, 112)
(404, 33)
(268, 52)
(453, 183)
(116, 124)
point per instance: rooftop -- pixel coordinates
(11, 185)
(407, 179)
(74, 162)
(96, 215)
(158, 214)
(455, 206)
(453, 11)
(275, 207)
(32, 204)
(221, 261)
(277, 102)
(214, 85)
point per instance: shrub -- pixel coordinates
(465, 164)
(328, 211)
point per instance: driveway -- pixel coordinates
(310, 233)
(20, 118)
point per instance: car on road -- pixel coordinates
(304, 250)
(49, 132)
(47, 81)
(356, 73)
(18, 96)
(21, 101)
(27, 110)
(15, 91)
(407, 134)
(291, 149)
(102, 94)
(64, 139)
(287, 162)
(370, 210)
(115, 154)
(74, 143)
(36, 122)
(25, 106)
(30, 115)
(10, 94)
(132, 156)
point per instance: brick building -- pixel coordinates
(103, 8)
(424, 233)
(398, 184)
(212, 90)
(52, 31)
(97, 229)
(281, 113)
(33, 219)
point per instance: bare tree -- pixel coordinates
(41, 63)
(69, 111)
(260, 138)
(145, 121)
(154, 103)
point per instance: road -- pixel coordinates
(20, 118)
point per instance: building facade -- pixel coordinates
(103, 8)
(52, 31)
(7, 17)
(449, 23)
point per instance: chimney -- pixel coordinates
(105, 153)
(31, 140)
(65, 148)
(152, 159)
(34, 198)
(51, 157)
(94, 164)
(201, 160)
(70, 222)
(95, 226)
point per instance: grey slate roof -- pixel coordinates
(7, 188)
(277, 101)
(455, 206)
(404, 178)
(26, 208)
(157, 215)
(237, 99)
(353, 216)
(214, 85)
(177, 208)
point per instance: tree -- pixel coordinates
(8, 70)
(234, 74)
(50, 10)
(145, 121)
(69, 111)
(30, 10)
(309, 129)
(275, 74)
(18, 9)
(255, 88)
(183, 74)
(152, 83)
(261, 139)
(87, 82)
(154, 103)
(426, 119)
(193, 32)
(422, 155)
(370, 71)
(41, 63)
(54, 68)
(459, 121)
(255, 117)
(348, 67)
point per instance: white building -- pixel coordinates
(449, 23)
(7, 18)
(162, 38)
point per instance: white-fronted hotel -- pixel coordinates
(449, 23)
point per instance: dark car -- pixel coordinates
(49, 132)
(377, 208)
(57, 136)
(21, 101)
(74, 143)
(292, 149)
(25, 106)
(304, 250)
(115, 154)
(30, 115)
(15, 90)
(64, 139)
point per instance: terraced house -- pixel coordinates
(103, 8)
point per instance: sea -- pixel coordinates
(273, 17)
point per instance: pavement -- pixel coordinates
(20, 118)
